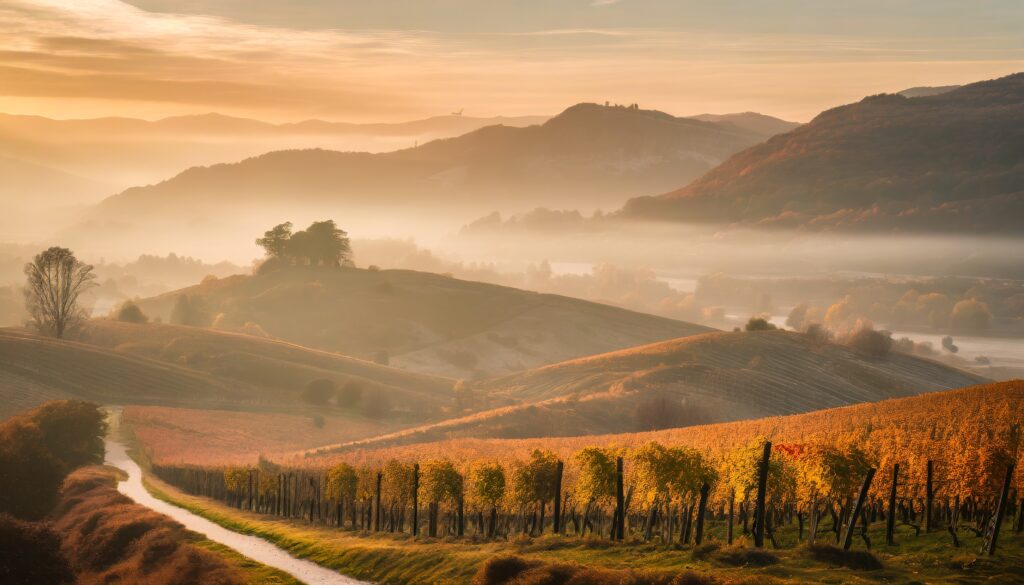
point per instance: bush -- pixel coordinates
(662, 411)
(860, 560)
(376, 405)
(129, 312)
(746, 557)
(759, 324)
(30, 554)
(519, 571)
(40, 447)
(867, 341)
(318, 392)
(350, 394)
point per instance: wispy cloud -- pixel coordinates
(108, 50)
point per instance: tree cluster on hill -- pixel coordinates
(323, 243)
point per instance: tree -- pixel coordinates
(56, 279)
(876, 344)
(318, 392)
(662, 411)
(441, 482)
(759, 324)
(190, 310)
(129, 312)
(342, 482)
(349, 395)
(275, 240)
(596, 479)
(971, 315)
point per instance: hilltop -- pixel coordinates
(696, 380)
(419, 321)
(589, 155)
(946, 162)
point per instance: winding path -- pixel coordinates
(251, 546)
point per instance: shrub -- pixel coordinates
(861, 560)
(759, 324)
(376, 405)
(30, 553)
(867, 341)
(349, 395)
(318, 392)
(746, 557)
(129, 312)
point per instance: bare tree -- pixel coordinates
(55, 281)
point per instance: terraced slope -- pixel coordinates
(707, 378)
(35, 369)
(269, 364)
(995, 405)
(419, 321)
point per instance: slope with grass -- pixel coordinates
(34, 369)
(976, 413)
(706, 378)
(280, 370)
(109, 539)
(945, 163)
(418, 321)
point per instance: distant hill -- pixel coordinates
(587, 156)
(926, 91)
(700, 379)
(121, 152)
(31, 182)
(950, 162)
(419, 321)
(752, 121)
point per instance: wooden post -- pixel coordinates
(376, 518)
(762, 489)
(929, 498)
(732, 515)
(857, 506)
(415, 499)
(890, 518)
(462, 516)
(997, 520)
(558, 498)
(701, 509)
(620, 507)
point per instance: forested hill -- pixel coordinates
(950, 162)
(588, 155)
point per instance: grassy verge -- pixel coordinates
(401, 559)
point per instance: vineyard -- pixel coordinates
(947, 463)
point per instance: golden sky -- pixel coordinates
(393, 60)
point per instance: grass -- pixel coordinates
(402, 559)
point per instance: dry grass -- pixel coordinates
(426, 322)
(717, 377)
(109, 539)
(177, 435)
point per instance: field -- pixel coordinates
(708, 378)
(991, 407)
(203, 437)
(423, 322)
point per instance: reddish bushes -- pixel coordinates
(30, 554)
(513, 570)
(109, 539)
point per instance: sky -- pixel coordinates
(393, 60)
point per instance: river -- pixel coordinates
(253, 547)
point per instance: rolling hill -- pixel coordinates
(700, 379)
(945, 162)
(155, 364)
(121, 152)
(587, 156)
(907, 418)
(418, 321)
